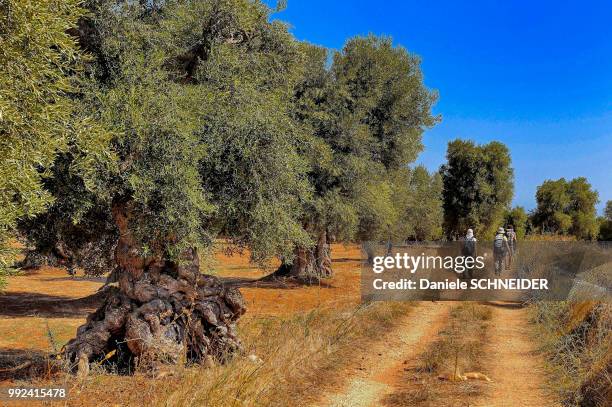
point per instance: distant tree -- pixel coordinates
(553, 202)
(582, 209)
(38, 121)
(362, 120)
(605, 223)
(196, 95)
(478, 187)
(567, 208)
(420, 206)
(518, 218)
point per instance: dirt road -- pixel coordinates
(514, 365)
(381, 367)
(510, 357)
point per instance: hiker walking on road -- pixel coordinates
(389, 247)
(511, 236)
(469, 250)
(500, 250)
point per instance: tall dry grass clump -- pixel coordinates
(551, 237)
(577, 337)
(576, 334)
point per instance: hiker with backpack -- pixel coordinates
(389, 248)
(469, 250)
(511, 236)
(500, 250)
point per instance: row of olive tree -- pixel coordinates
(138, 132)
(141, 131)
(563, 208)
(599, 228)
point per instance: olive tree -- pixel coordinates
(195, 94)
(518, 218)
(361, 119)
(478, 187)
(605, 223)
(422, 215)
(567, 207)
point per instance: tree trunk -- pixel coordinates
(310, 263)
(160, 312)
(56, 256)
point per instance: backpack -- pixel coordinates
(469, 246)
(499, 246)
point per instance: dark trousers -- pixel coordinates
(499, 259)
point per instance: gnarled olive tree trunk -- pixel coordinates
(160, 310)
(309, 263)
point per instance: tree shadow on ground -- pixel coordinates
(81, 278)
(270, 282)
(24, 364)
(17, 304)
(20, 304)
(501, 304)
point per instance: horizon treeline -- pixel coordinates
(200, 119)
(478, 190)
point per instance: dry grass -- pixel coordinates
(31, 332)
(550, 238)
(300, 355)
(457, 349)
(575, 334)
(577, 338)
(52, 281)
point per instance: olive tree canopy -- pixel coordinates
(196, 95)
(362, 119)
(39, 118)
(478, 187)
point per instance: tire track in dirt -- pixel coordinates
(383, 364)
(514, 365)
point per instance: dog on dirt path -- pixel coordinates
(465, 376)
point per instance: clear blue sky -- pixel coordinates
(536, 75)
